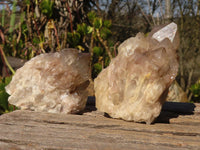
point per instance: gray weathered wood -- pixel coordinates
(14, 62)
(178, 127)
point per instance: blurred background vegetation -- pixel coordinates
(31, 27)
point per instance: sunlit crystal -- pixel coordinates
(135, 84)
(54, 82)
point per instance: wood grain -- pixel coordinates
(178, 127)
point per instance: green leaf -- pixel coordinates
(91, 16)
(76, 38)
(12, 107)
(107, 23)
(105, 33)
(4, 100)
(89, 29)
(2, 86)
(82, 28)
(27, 2)
(73, 38)
(69, 34)
(3, 95)
(8, 79)
(97, 68)
(46, 7)
(107, 61)
(36, 40)
(97, 23)
(97, 51)
(195, 89)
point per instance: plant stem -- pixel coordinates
(145, 16)
(150, 11)
(29, 22)
(6, 61)
(3, 16)
(12, 20)
(91, 51)
(70, 17)
(104, 44)
(57, 38)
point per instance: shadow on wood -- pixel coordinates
(170, 110)
(22, 130)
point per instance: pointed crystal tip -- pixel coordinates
(168, 31)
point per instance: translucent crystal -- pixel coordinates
(135, 84)
(168, 31)
(54, 82)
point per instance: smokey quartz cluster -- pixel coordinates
(54, 82)
(135, 84)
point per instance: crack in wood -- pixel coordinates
(117, 127)
(92, 130)
(14, 142)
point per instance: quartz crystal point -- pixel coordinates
(135, 84)
(54, 82)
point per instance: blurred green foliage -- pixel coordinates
(195, 89)
(48, 26)
(4, 105)
(96, 33)
(46, 7)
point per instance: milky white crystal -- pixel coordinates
(135, 84)
(53, 82)
(169, 31)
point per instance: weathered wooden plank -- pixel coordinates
(92, 130)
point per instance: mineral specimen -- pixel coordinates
(54, 82)
(176, 94)
(135, 84)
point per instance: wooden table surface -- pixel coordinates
(177, 127)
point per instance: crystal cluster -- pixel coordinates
(54, 82)
(135, 84)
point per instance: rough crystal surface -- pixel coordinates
(176, 94)
(54, 82)
(135, 84)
